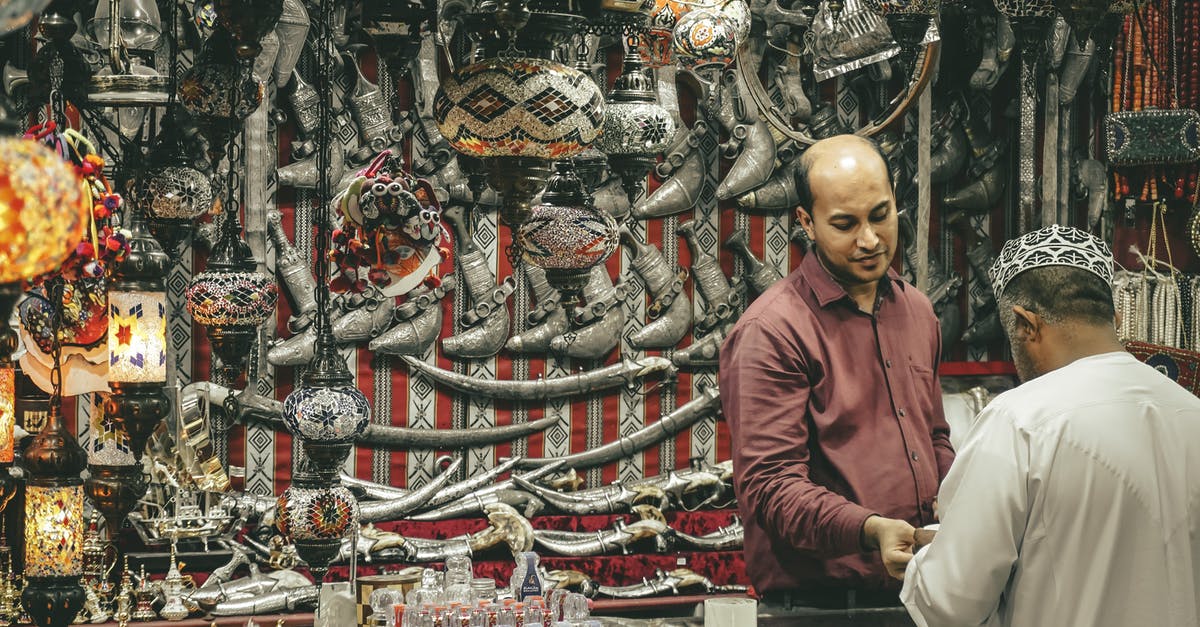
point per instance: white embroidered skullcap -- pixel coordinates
(1051, 246)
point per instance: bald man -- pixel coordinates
(829, 385)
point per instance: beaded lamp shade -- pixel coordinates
(137, 336)
(521, 107)
(636, 127)
(634, 124)
(43, 211)
(173, 192)
(220, 90)
(109, 445)
(315, 518)
(1025, 8)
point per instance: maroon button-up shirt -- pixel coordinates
(835, 415)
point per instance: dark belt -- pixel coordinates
(832, 598)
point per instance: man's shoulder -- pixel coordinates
(780, 304)
(912, 298)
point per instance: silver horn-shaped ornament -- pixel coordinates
(671, 310)
(754, 165)
(779, 192)
(759, 275)
(487, 318)
(420, 321)
(721, 300)
(595, 338)
(548, 317)
(685, 164)
(706, 403)
(365, 321)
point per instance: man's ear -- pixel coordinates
(806, 222)
(1028, 324)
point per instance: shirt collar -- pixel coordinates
(828, 290)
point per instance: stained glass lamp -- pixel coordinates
(566, 234)
(518, 114)
(636, 126)
(54, 523)
(315, 516)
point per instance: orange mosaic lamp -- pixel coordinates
(518, 114)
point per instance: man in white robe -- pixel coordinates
(1076, 499)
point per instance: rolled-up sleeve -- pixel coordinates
(765, 391)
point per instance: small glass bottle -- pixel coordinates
(483, 589)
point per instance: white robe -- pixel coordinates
(1075, 502)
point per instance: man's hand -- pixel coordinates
(893, 538)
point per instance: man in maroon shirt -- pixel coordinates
(829, 385)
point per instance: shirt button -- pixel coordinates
(926, 507)
(913, 455)
(901, 412)
(888, 363)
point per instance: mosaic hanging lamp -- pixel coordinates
(231, 299)
(636, 127)
(655, 44)
(518, 114)
(908, 21)
(220, 90)
(54, 518)
(168, 188)
(115, 480)
(566, 234)
(314, 516)
(42, 210)
(326, 412)
(137, 373)
(708, 37)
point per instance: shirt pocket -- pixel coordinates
(926, 395)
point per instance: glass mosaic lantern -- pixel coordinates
(220, 90)
(707, 38)
(54, 523)
(315, 518)
(231, 299)
(566, 235)
(655, 42)
(43, 211)
(518, 114)
(636, 127)
(168, 189)
(115, 479)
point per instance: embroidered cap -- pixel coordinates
(1051, 246)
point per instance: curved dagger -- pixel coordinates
(626, 372)
(668, 426)
(248, 406)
